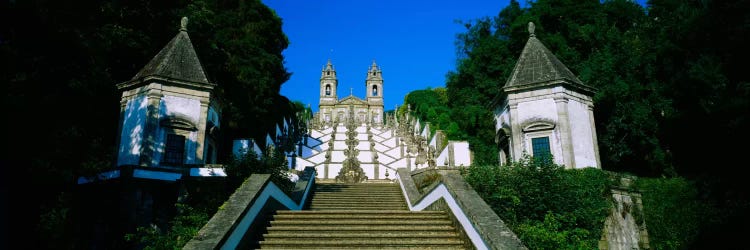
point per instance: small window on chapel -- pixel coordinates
(540, 148)
(174, 151)
(375, 90)
(328, 72)
(328, 89)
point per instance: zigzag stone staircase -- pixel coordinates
(360, 216)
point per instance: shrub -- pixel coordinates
(548, 206)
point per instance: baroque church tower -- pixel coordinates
(374, 84)
(328, 87)
(331, 109)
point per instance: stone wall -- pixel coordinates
(625, 227)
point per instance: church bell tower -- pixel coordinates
(374, 86)
(328, 87)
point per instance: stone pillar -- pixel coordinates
(516, 138)
(201, 137)
(118, 140)
(593, 134)
(566, 137)
(451, 155)
(151, 129)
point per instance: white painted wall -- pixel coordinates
(502, 116)
(395, 152)
(363, 145)
(544, 108)
(384, 158)
(364, 156)
(337, 156)
(131, 136)
(339, 145)
(186, 108)
(583, 140)
(390, 142)
(462, 153)
(369, 170)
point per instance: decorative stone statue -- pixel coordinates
(351, 172)
(431, 157)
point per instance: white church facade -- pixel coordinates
(331, 109)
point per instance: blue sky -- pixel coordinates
(412, 41)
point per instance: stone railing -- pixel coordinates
(240, 222)
(472, 216)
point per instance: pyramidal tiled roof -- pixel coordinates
(176, 61)
(538, 65)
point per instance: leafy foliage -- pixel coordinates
(272, 162)
(183, 227)
(59, 86)
(674, 212)
(193, 214)
(548, 207)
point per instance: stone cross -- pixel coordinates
(351, 91)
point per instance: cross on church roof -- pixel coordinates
(351, 91)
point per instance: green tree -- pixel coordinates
(63, 60)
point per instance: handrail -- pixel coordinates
(482, 226)
(229, 226)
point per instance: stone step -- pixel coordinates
(346, 202)
(395, 212)
(346, 222)
(364, 188)
(358, 201)
(359, 234)
(358, 188)
(356, 195)
(363, 228)
(359, 216)
(292, 242)
(431, 247)
(358, 185)
(374, 205)
(354, 208)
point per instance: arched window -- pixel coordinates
(502, 139)
(375, 90)
(328, 89)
